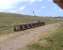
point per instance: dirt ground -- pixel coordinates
(23, 38)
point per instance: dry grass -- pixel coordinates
(52, 42)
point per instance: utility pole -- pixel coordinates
(34, 12)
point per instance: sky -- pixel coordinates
(40, 7)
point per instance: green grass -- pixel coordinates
(54, 42)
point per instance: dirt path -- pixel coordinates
(29, 36)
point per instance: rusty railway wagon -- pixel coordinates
(28, 26)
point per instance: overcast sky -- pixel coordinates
(41, 7)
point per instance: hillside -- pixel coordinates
(8, 20)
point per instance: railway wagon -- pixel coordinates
(23, 27)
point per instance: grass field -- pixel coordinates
(7, 21)
(52, 42)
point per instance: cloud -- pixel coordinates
(6, 4)
(50, 0)
(19, 10)
(14, 4)
(29, 0)
(22, 7)
(43, 7)
(60, 10)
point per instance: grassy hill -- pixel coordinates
(8, 20)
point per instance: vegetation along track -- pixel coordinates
(29, 36)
